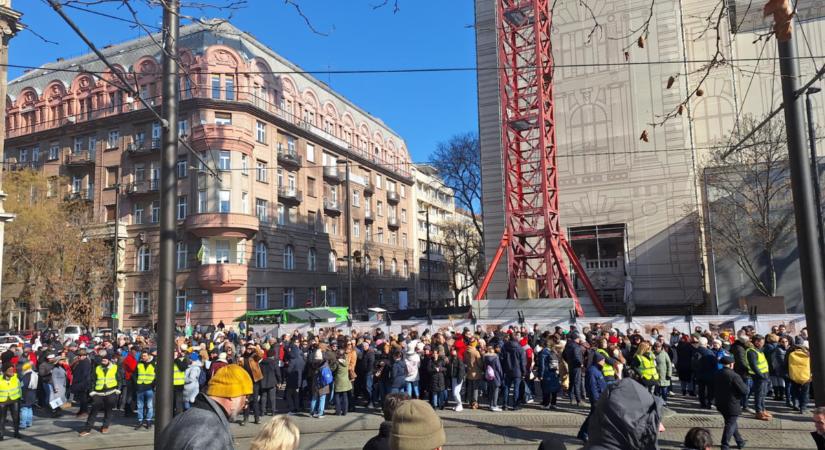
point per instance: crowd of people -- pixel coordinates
(337, 370)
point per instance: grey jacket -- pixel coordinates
(204, 426)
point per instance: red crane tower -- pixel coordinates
(533, 238)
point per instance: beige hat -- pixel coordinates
(415, 426)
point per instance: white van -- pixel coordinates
(73, 332)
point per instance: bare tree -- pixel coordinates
(748, 202)
(463, 255)
(458, 162)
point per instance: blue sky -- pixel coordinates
(424, 108)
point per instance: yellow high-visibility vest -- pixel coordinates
(107, 379)
(647, 368)
(607, 369)
(9, 389)
(761, 362)
(179, 377)
(145, 374)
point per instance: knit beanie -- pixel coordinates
(229, 382)
(415, 426)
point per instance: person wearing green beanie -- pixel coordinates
(205, 426)
(416, 426)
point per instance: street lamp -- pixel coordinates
(348, 214)
(814, 163)
(426, 212)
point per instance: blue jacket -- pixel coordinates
(594, 383)
(707, 366)
(399, 374)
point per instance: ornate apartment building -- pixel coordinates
(269, 230)
(633, 210)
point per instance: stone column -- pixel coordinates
(9, 26)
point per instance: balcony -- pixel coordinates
(80, 158)
(332, 174)
(332, 207)
(289, 195)
(85, 195)
(369, 217)
(222, 224)
(289, 157)
(209, 137)
(143, 187)
(140, 148)
(393, 197)
(369, 189)
(392, 223)
(222, 278)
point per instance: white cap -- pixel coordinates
(703, 341)
(804, 344)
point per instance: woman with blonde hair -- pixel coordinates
(644, 363)
(280, 433)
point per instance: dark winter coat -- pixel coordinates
(29, 396)
(573, 354)
(81, 376)
(740, 357)
(382, 441)
(204, 426)
(456, 369)
(729, 390)
(627, 416)
(268, 367)
(819, 439)
(777, 362)
(294, 358)
(547, 363)
(438, 371)
(513, 359)
(594, 383)
(398, 374)
(684, 360)
(706, 365)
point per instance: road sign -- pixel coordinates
(114, 316)
(323, 288)
(189, 305)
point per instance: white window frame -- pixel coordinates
(224, 201)
(288, 298)
(182, 209)
(144, 258)
(261, 298)
(181, 255)
(261, 254)
(312, 259)
(289, 257)
(224, 160)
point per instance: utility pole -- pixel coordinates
(809, 109)
(116, 258)
(429, 265)
(9, 26)
(348, 218)
(168, 195)
(805, 208)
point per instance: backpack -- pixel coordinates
(489, 373)
(799, 367)
(325, 377)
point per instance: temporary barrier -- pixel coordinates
(645, 325)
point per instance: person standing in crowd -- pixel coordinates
(437, 368)
(250, 361)
(269, 383)
(294, 363)
(106, 378)
(415, 426)
(179, 366)
(145, 390)
(44, 371)
(729, 389)
(548, 373)
(457, 371)
(595, 385)
(382, 440)
(758, 371)
(10, 394)
(128, 365)
(319, 386)
(397, 373)
(644, 362)
(205, 426)
(819, 424)
(342, 385)
(81, 382)
(494, 377)
(61, 378)
(28, 395)
(473, 363)
(280, 433)
(664, 369)
(413, 363)
(573, 356)
(799, 372)
(514, 364)
(779, 371)
(739, 350)
(192, 379)
(684, 367)
(706, 364)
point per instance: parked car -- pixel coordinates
(8, 340)
(73, 332)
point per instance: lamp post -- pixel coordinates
(348, 214)
(115, 258)
(429, 266)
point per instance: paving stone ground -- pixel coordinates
(468, 429)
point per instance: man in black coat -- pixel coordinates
(729, 390)
(573, 355)
(514, 365)
(819, 423)
(269, 383)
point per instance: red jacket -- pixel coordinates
(129, 366)
(460, 346)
